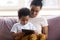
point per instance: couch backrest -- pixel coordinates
(5, 27)
(54, 29)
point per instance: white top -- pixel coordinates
(39, 23)
(18, 27)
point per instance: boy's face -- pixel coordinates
(24, 20)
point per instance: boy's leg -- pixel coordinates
(41, 37)
(30, 37)
(33, 37)
(25, 37)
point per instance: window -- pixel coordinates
(11, 4)
(47, 4)
(50, 7)
(10, 7)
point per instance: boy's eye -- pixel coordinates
(25, 20)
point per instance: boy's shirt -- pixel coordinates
(18, 27)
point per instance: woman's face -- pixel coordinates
(34, 10)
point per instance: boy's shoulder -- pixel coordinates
(30, 23)
(16, 24)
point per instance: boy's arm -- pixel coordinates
(17, 35)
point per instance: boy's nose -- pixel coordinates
(24, 22)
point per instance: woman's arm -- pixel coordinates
(45, 31)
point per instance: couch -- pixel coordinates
(7, 23)
(54, 28)
(5, 27)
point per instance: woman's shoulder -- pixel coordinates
(38, 19)
(41, 17)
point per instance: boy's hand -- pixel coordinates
(36, 32)
(19, 35)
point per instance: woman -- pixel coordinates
(41, 23)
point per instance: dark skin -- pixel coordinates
(24, 20)
(17, 36)
(34, 12)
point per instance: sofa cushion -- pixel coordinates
(54, 29)
(5, 26)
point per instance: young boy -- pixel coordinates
(23, 15)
